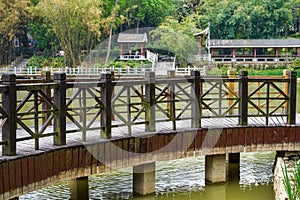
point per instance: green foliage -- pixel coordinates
(13, 20)
(77, 24)
(126, 64)
(176, 37)
(144, 13)
(42, 61)
(237, 19)
(293, 191)
(295, 64)
(253, 70)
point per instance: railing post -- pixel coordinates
(150, 102)
(46, 106)
(196, 100)
(106, 93)
(9, 102)
(113, 78)
(243, 93)
(171, 99)
(293, 97)
(60, 103)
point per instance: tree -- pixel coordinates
(14, 15)
(78, 24)
(247, 19)
(176, 37)
(144, 13)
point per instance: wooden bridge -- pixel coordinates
(68, 129)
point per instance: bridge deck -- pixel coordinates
(46, 143)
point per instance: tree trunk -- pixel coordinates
(110, 36)
(6, 52)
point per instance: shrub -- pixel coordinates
(292, 190)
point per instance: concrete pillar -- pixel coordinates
(215, 168)
(144, 179)
(234, 166)
(79, 188)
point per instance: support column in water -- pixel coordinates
(215, 168)
(79, 188)
(144, 179)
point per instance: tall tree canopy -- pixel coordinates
(176, 37)
(255, 19)
(13, 23)
(77, 24)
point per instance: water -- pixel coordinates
(181, 179)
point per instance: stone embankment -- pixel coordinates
(279, 188)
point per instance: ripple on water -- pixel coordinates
(173, 178)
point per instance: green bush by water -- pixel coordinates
(293, 191)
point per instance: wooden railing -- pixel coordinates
(32, 111)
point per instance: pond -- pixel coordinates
(179, 179)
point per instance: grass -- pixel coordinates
(292, 190)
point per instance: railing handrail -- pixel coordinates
(191, 91)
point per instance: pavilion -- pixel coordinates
(127, 41)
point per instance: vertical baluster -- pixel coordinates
(268, 103)
(171, 99)
(150, 102)
(45, 105)
(84, 114)
(60, 102)
(128, 109)
(106, 93)
(243, 94)
(293, 97)
(196, 99)
(9, 102)
(36, 120)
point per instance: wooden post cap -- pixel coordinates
(106, 76)
(150, 75)
(60, 76)
(243, 73)
(10, 77)
(195, 73)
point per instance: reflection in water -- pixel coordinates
(181, 179)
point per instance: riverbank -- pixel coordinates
(278, 186)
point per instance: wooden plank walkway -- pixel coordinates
(46, 143)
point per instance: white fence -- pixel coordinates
(94, 70)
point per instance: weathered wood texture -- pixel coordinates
(19, 175)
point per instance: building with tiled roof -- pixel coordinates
(127, 40)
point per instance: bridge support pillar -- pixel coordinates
(79, 188)
(215, 168)
(234, 166)
(144, 179)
